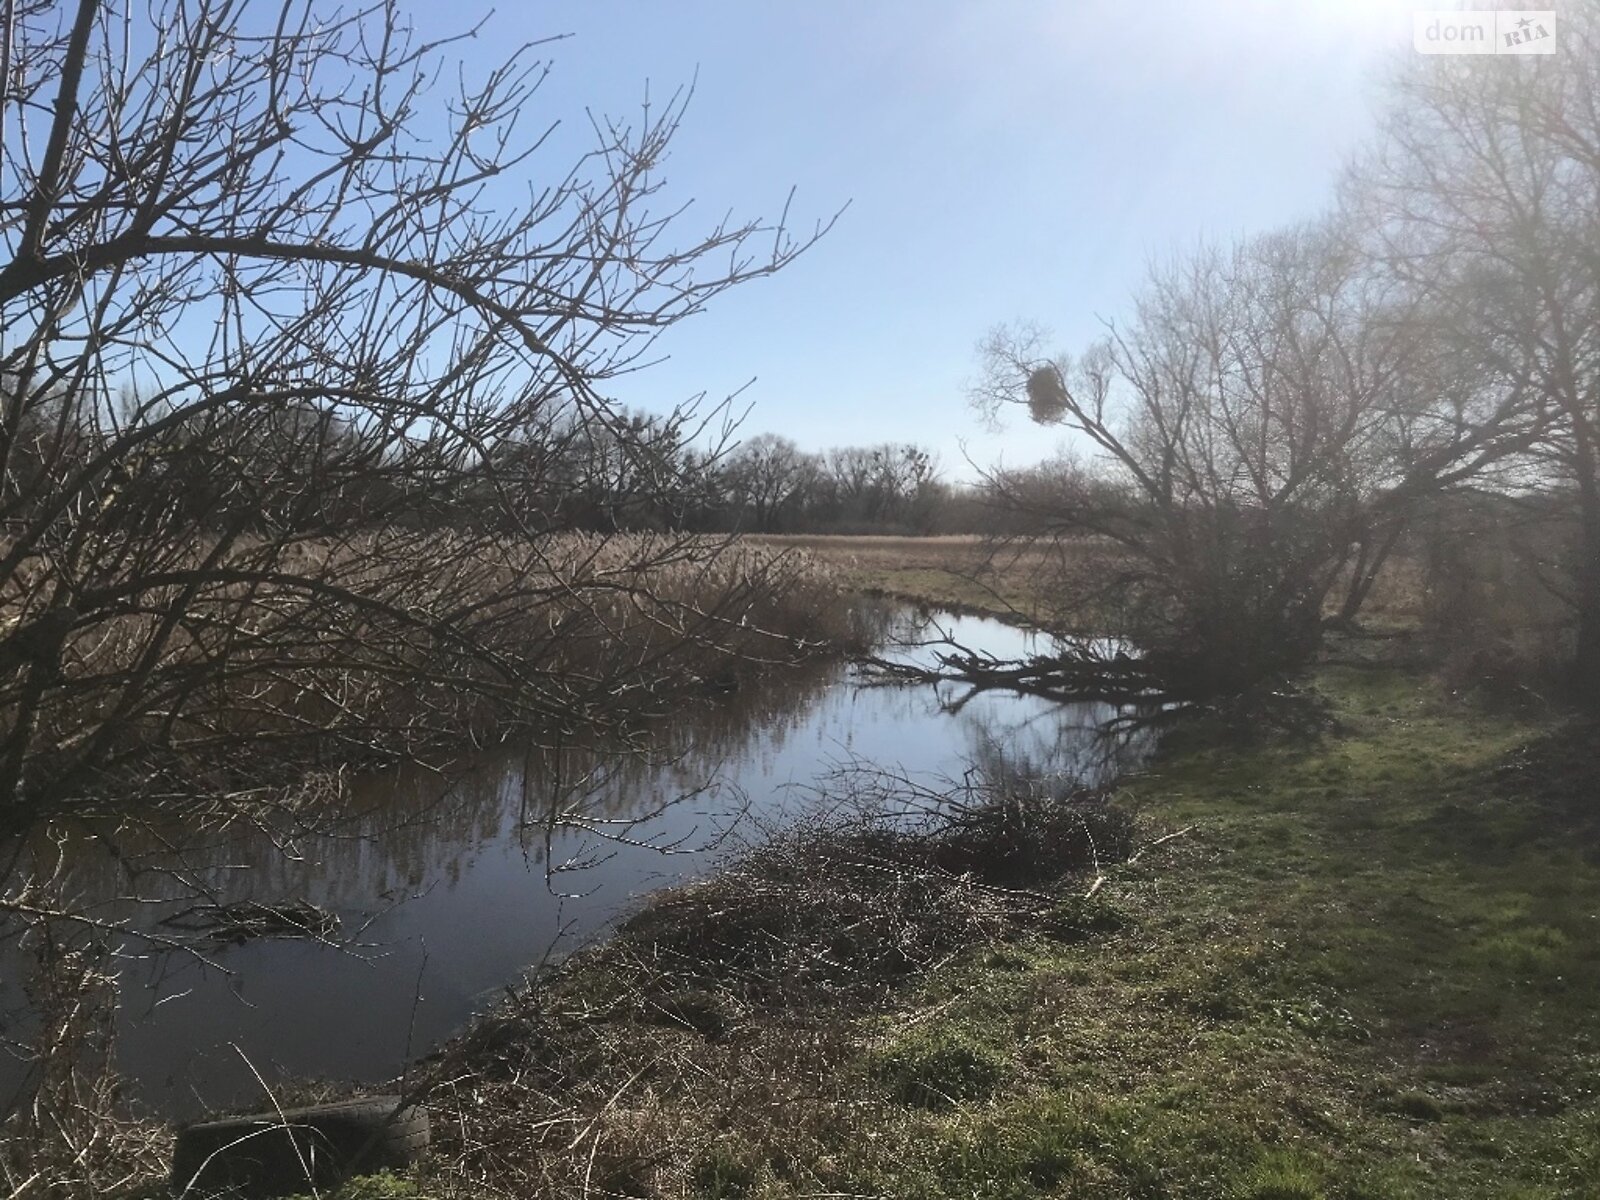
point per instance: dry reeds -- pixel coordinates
(393, 642)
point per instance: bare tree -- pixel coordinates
(851, 473)
(903, 474)
(272, 293)
(1485, 196)
(1263, 420)
(770, 474)
(890, 484)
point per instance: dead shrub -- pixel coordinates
(1493, 581)
(73, 1136)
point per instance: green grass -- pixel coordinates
(1368, 971)
(940, 1070)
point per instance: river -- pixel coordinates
(450, 885)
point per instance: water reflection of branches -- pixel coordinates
(392, 831)
(580, 810)
(365, 845)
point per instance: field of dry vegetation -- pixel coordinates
(1012, 578)
(396, 641)
(963, 572)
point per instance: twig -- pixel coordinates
(606, 1107)
(1160, 841)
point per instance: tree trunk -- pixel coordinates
(1586, 658)
(1370, 560)
(1586, 572)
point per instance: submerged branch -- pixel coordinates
(1083, 674)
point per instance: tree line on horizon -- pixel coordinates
(304, 468)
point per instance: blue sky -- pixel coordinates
(1001, 159)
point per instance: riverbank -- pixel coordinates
(1365, 968)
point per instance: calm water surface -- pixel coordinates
(449, 889)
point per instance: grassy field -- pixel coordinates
(1365, 967)
(959, 571)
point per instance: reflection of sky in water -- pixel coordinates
(453, 886)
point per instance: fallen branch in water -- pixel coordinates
(251, 919)
(1065, 680)
(1083, 669)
